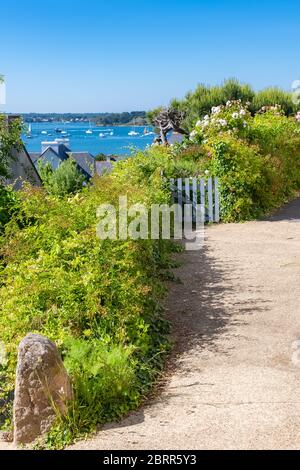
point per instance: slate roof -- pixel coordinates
(22, 169)
(103, 167)
(34, 156)
(85, 161)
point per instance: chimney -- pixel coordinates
(54, 145)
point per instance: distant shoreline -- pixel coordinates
(133, 118)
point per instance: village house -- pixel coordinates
(57, 151)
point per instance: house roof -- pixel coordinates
(51, 156)
(84, 160)
(103, 167)
(34, 156)
(22, 169)
(63, 150)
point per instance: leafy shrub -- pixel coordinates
(240, 170)
(257, 159)
(9, 202)
(196, 104)
(101, 157)
(9, 138)
(66, 179)
(272, 97)
(97, 299)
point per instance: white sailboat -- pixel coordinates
(89, 131)
(133, 133)
(147, 132)
(28, 133)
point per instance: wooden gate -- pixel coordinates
(198, 191)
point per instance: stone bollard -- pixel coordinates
(42, 391)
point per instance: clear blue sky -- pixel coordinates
(95, 55)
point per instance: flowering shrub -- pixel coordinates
(257, 158)
(196, 104)
(232, 118)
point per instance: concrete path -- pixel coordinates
(232, 383)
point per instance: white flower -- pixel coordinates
(206, 118)
(216, 109)
(222, 122)
(206, 172)
(228, 104)
(193, 135)
(242, 112)
(205, 123)
(245, 124)
(198, 123)
(235, 115)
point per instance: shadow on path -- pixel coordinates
(205, 305)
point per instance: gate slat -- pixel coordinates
(195, 198)
(173, 189)
(187, 190)
(179, 190)
(210, 200)
(217, 206)
(188, 211)
(202, 192)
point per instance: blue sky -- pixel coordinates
(95, 56)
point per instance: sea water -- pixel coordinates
(119, 143)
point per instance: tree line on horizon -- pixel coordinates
(198, 103)
(102, 119)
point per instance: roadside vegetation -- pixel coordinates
(256, 158)
(99, 301)
(66, 179)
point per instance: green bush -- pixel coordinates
(97, 299)
(9, 138)
(240, 170)
(66, 179)
(101, 157)
(9, 205)
(272, 97)
(196, 104)
(256, 158)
